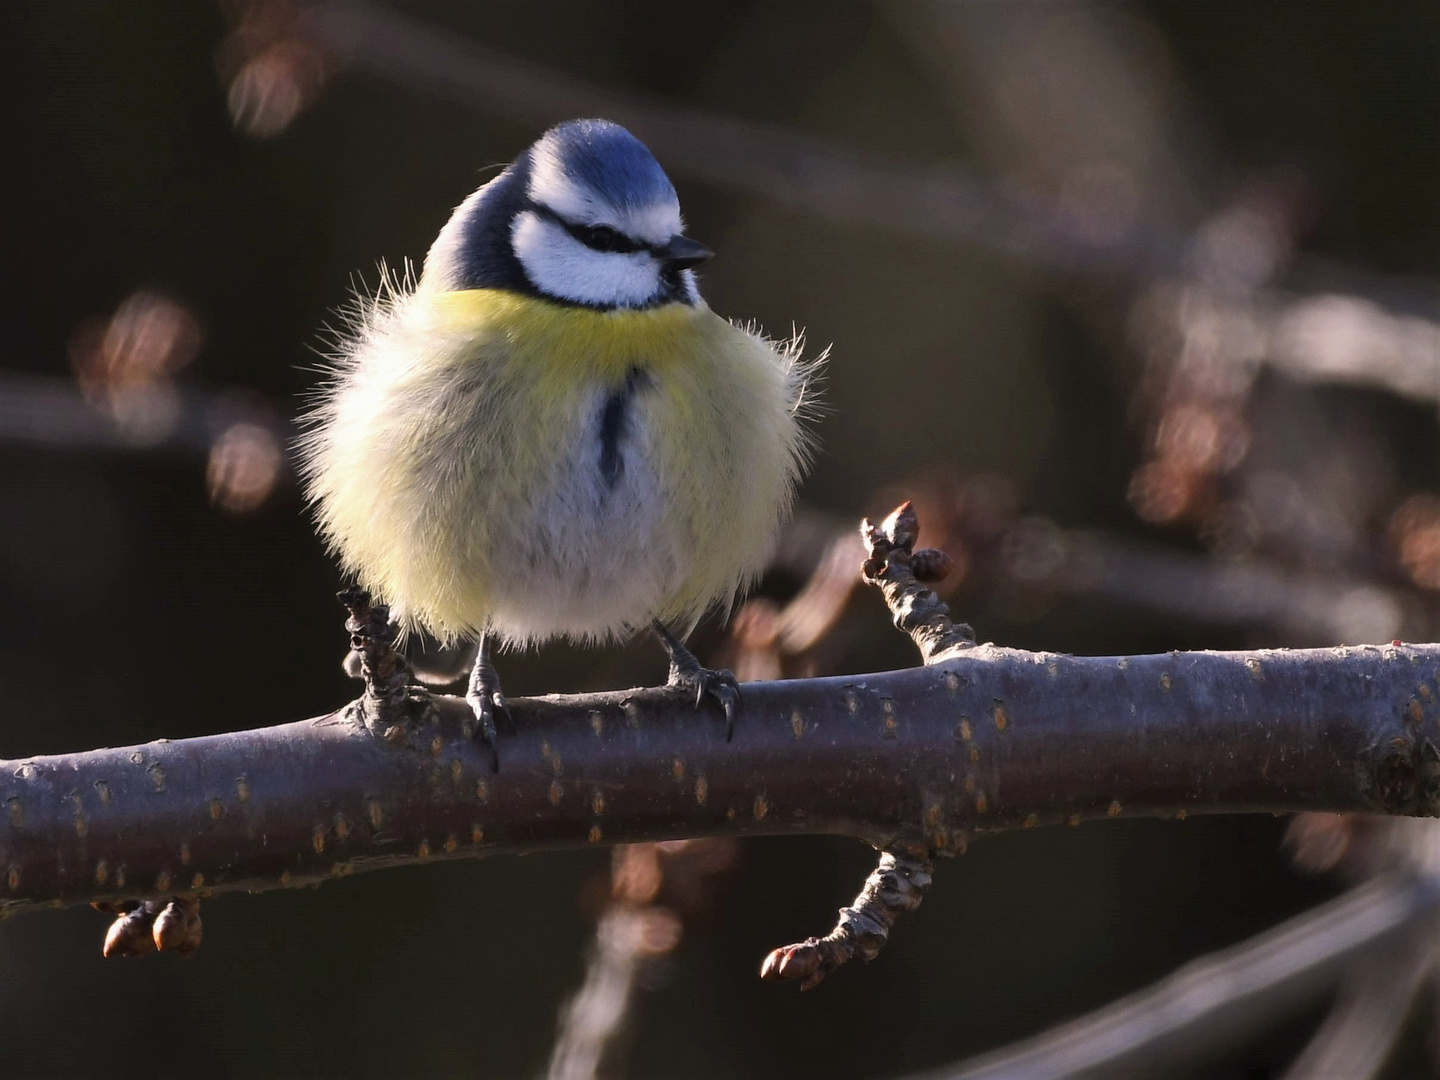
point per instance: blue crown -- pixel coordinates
(606, 158)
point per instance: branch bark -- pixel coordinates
(920, 759)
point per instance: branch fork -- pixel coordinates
(392, 703)
(899, 882)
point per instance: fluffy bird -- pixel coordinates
(549, 434)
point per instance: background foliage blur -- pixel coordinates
(1171, 384)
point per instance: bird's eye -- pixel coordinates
(604, 238)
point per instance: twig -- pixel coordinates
(901, 572)
(373, 657)
(897, 884)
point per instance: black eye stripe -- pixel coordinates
(596, 237)
(604, 238)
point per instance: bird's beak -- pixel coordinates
(681, 253)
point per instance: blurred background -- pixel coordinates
(1140, 301)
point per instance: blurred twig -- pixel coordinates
(591, 1020)
(1006, 561)
(1218, 1001)
(242, 440)
(125, 396)
(652, 888)
(1376, 998)
(783, 165)
(796, 169)
(1305, 607)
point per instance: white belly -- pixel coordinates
(591, 556)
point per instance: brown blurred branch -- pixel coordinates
(819, 176)
(784, 165)
(1306, 607)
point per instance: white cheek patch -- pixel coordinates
(561, 266)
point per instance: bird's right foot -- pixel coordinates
(486, 700)
(687, 673)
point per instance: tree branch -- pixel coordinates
(925, 758)
(913, 761)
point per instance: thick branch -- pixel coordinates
(922, 759)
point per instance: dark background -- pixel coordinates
(132, 608)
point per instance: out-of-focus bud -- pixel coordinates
(1163, 492)
(1415, 533)
(1201, 438)
(754, 651)
(124, 363)
(271, 68)
(149, 337)
(1318, 842)
(658, 931)
(245, 464)
(636, 874)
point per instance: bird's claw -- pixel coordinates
(720, 685)
(485, 700)
(484, 704)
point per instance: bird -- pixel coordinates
(548, 434)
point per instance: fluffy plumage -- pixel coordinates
(536, 458)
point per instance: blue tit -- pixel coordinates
(550, 434)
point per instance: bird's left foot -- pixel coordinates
(486, 700)
(686, 673)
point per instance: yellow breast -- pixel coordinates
(457, 463)
(575, 343)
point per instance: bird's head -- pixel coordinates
(585, 216)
